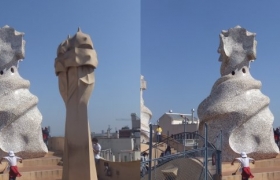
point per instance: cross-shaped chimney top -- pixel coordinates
(237, 48)
(12, 47)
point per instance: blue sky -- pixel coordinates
(179, 42)
(114, 27)
(174, 44)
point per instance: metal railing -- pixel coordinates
(201, 162)
(189, 165)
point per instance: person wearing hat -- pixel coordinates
(12, 161)
(245, 165)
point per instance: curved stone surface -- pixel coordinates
(20, 119)
(188, 168)
(236, 105)
(146, 114)
(74, 65)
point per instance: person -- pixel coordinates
(144, 157)
(12, 162)
(277, 134)
(96, 149)
(167, 151)
(144, 164)
(245, 165)
(159, 131)
(46, 135)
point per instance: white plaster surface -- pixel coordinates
(20, 119)
(146, 114)
(236, 104)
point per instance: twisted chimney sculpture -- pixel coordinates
(20, 119)
(236, 105)
(74, 66)
(146, 113)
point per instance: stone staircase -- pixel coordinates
(173, 143)
(268, 169)
(158, 150)
(45, 168)
(179, 169)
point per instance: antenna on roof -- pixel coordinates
(192, 115)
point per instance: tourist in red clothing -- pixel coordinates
(245, 165)
(12, 160)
